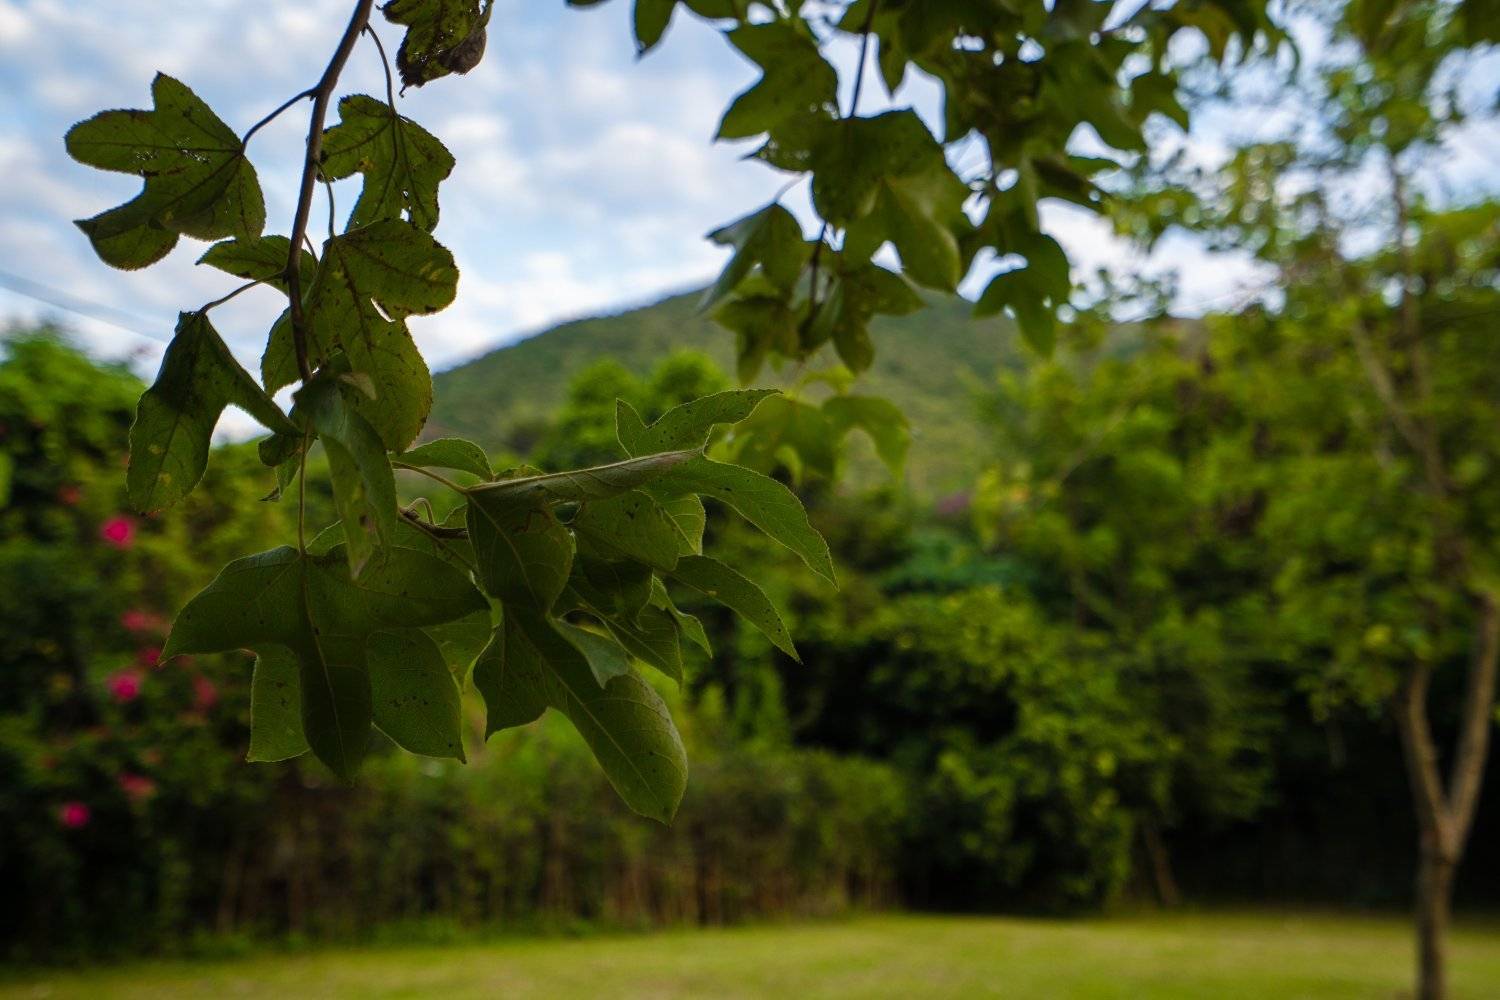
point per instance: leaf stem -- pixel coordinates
(302, 493)
(435, 530)
(385, 64)
(322, 94)
(430, 475)
(859, 83)
(223, 299)
(268, 119)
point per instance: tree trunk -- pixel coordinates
(1434, 906)
(1167, 892)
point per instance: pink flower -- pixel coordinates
(205, 693)
(147, 656)
(69, 494)
(124, 686)
(118, 531)
(136, 620)
(137, 787)
(74, 815)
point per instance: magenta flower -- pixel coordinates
(147, 656)
(124, 686)
(118, 531)
(74, 815)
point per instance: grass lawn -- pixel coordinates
(1217, 956)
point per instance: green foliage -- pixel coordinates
(1017, 82)
(930, 367)
(351, 615)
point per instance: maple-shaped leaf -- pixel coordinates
(368, 281)
(308, 606)
(402, 162)
(175, 418)
(198, 181)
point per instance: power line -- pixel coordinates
(58, 299)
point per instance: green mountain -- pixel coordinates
(932, 364)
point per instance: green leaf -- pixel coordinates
(197, 180)
(624, 722)
(881, 419)
(391, 262)
(651, 18)
(901, 191)
(402, 162)
(597, 483)
(761, 324)
(790, 431)
(414, 698)
(851, 338)
(311, 607)
(524, 554)
(687, 426)
(276, 708)
(450, 453)
(262, 258)
(621, 587)
(856, 155)
(730, 588)
(462, 641)
(175, 418)
(797, 79)
(762, 501)
(772, 238)
(511, 679)
(364, 487)
(368, 281)
(687, 624)
(631, 525)
(652, 636)
(1019, 291)
(607, 658)
(687, 513)
(442, 37)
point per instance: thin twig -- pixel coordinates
(322, 94)
(268, 119)
(223, 299)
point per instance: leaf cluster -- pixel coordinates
(550, 587)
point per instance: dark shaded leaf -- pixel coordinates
(175, 419)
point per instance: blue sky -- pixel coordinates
(586, 179)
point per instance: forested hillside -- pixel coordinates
(931, 364)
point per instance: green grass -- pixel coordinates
(1217, 956)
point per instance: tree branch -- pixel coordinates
(1474, 731)
(1421, 756)
(322, 94)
